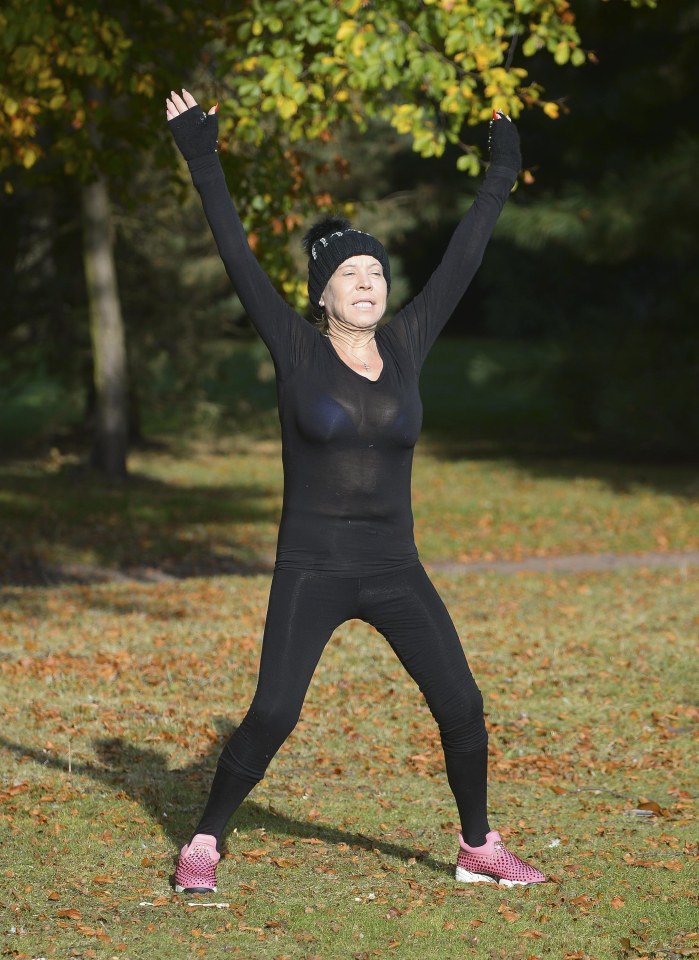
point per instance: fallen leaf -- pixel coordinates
(283, 862)
(652, 807)
(254, 854)
(507, 913)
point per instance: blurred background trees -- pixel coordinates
(580, 328)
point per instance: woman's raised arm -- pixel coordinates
(421, 320)
(283, 330)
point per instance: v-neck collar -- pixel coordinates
(347, 366)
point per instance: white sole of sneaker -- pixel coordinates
(465, 876)
(179, 889)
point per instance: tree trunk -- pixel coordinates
(106, 332)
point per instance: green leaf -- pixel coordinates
(468, 163)
(562, 53)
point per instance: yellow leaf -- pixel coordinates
(286, 107)
(551, 110)
(11, 107)
(358, 44)
(29, 158)
(345, 30)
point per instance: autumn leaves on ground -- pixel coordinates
(130, 627)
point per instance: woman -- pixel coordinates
(350, 415)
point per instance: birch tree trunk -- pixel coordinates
(106, 332)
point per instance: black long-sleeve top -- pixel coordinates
(347, 441)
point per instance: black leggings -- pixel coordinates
(304, 610)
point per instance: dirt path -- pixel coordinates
(38, 575)
(574, 563)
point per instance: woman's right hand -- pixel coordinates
(195, 132)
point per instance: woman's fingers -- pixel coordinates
(176, 104)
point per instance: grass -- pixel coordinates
(116, 698)
(118, 693)
(216, 510)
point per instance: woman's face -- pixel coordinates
(355, 295)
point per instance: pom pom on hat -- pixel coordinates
(322, 228)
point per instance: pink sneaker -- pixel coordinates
(196, 868)
(493, 863)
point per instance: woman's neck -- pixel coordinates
(353, 339)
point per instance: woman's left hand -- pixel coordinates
(503, 141)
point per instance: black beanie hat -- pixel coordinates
(332, 241)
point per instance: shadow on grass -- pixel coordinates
(175, 798)
(619, 473)
(150, 530)
(143, 529)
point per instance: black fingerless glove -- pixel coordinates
(195, 132)
(503, 142)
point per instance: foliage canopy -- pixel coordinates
(76, 78)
